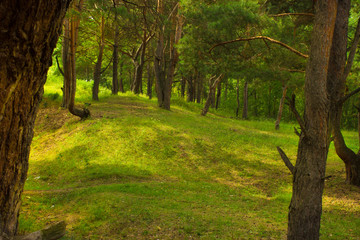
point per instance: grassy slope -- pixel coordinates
(134, 171)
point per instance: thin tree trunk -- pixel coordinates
(150, 81)
(66, 63)
(245, 101)
(309, 175)
(115, 81)
(237, 97)
(121, 85)
(97, 68)
(281, 107)
(183, 87)
(212, 86)
(190, 89)
(199, 81)
(218, 96)
(25, 60)
(71, 28)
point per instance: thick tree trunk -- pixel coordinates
(309, 175)
(29, 31)
(336, 88)
(281, 107)
(97, 68)
(245, 101)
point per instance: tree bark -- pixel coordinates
(281, 107)
(237, 97)
(309, 175)
(115, 80)
(245, 102)
(337, 74)
(150, 81)
(97, 68)
(212, 86)
(218, 96)
(29, 31)
(71, 28)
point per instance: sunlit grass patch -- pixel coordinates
(134, 171)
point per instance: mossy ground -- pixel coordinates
(134, 171)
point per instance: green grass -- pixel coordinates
(134, 171)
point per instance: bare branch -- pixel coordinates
(292, 14)
(292, 70)
(265, 38)
(347, 96)
(286, 160)
(291, 103)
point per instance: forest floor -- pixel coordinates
(134, 171)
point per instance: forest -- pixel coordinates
(178, 119)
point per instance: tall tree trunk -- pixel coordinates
(309, 174)
(190, 89)
(183, 87)
(150, 81)
(281, 107)
(199, 88)
(218, 96)
(245, 101)
(115, 81)
(164, 73)
(97, 68)
(25, 59)
(212, 87)
(71, 28)
(139, 66)
(237, 97)
(121, 85)
(66, 64)
(336, 87)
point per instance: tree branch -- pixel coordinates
(58, 65)
(265, 38)
(347, 96)
(352, 51)
(291, 103)
(286, 160)
(292, 14)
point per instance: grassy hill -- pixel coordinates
(134, 171)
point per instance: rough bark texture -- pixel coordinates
(309, 174)
(29, 31)
(97, 68)
(337, 74)
(281, 107)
